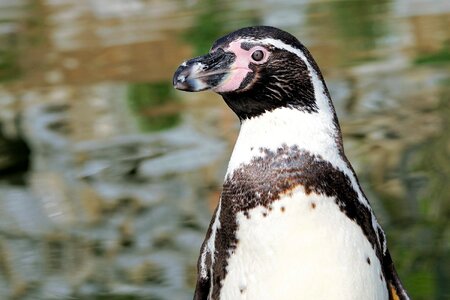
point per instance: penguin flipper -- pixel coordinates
(204, 264)
(202, 289)
(395, 286)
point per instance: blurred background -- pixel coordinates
(108, 176)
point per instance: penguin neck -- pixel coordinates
(315, 132)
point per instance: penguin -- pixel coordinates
(292, 221)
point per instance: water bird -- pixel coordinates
(292, 221)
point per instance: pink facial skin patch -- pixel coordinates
(240, 67)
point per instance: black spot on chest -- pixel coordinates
(265, 179)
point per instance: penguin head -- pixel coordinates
(256, 70)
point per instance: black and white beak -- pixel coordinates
(203, 72)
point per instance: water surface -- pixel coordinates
(108, 176)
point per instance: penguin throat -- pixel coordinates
(315, 132)
(273, 87)
(247, 105)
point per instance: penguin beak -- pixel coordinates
(203, 72)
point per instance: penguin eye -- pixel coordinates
(258, 55)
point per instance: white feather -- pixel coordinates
(209, 249)
(302, 253)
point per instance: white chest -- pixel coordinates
(303, 248)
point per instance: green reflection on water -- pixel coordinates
(439, 57)
(23, 32)
(208, 25)
(147, 100)
(357, 25)
(435, 204)
(9, 58)
(421, 245)
(434, 160)
(215, 19)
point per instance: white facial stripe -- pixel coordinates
(313, 132)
